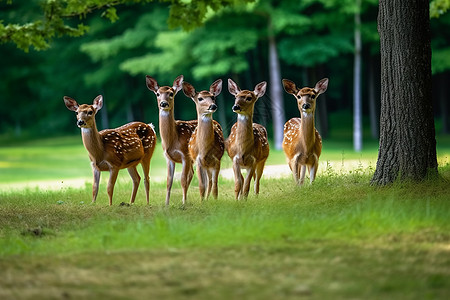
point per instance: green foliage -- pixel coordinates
(440, 60)
(316, 50)
(172, 55)
(438, 8)
(56, 18)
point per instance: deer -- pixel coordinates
(114, 149)
(247, 145)
(175, 134)
(302, 143)
(206, 145)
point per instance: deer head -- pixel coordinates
(306, 97)
(245, 100)
(205, 101)
(165, 95)
(85, 113)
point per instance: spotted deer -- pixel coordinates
(206, 145)
(114, 149)
(175, 134)
(302, 143)
(247, 144)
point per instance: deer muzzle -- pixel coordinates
(212, 107)
(164, 104)
(81, 123)
(306, 106)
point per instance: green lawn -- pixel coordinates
(339, 238)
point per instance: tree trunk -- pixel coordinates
(222, 117)
(357, 106)
(407, 133)
(104, 116)
(373, 101)
(276, 91)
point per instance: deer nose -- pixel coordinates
(213, 107)
(306, 106)
(81, 123)
(164, 104)
(236, 107)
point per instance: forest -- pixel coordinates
(248, 42)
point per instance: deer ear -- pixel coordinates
(290, 87)
(178, 84)
(152, 85)
(216, 87)
(71, 104)
(98, 102)
(260, 89)
(233, 87)
(321, 86)
(189, 90)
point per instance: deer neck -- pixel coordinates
(308, 130)
(93, 143)
(167, 128)
(205, 129)
(244, 131)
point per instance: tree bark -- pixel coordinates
(407, 133)
(357, 105)
(276, 91)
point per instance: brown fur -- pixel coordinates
(114, 149)
(175, 135)
(206, 146)
(302, 143)
(247, 144)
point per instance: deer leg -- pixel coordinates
(96, 182)
(248, 179)
(208, 181)
(238, 178)
(302, 173)
(112, 181)
(186, 177)
(215, 179)
(313, 170)
(201, 179)
(170, 171)
(258, 174)
(146, 168)
(136, 180)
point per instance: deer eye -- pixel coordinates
(90, 113)
(200, 99)
(248, 98)
(213, 98)
(157, 95)
(171, 94)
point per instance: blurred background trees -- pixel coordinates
(88, 54)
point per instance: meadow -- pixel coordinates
(340, 238)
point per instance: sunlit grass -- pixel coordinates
(339, 238)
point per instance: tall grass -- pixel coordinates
(336, 206)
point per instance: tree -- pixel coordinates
(407, 134)
(64, 18)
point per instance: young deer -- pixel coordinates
(206, 145)
(247, 144)
(175, 135)
(302, 143)
(114, 149)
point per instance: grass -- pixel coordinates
(339, 238)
